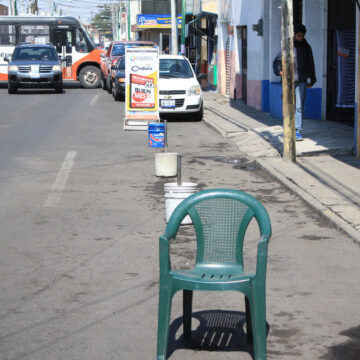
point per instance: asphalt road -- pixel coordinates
(81, 212)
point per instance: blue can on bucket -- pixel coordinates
(156, 135)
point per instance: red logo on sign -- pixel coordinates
(139, 96)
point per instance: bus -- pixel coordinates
(80, 57)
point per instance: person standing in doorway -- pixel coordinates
(304, 74)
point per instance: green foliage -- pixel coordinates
(102, 20)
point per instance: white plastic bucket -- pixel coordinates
(175, 194)
(166, 164)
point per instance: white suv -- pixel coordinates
(179, 90)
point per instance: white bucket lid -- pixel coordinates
(185, 187)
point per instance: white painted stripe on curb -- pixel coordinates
(94, 100)
(58, 187)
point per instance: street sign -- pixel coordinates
(141, 85)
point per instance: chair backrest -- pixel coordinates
(221, 218)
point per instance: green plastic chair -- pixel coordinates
(220, 218)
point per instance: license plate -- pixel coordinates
(169, 104)
(35, 72)
(35, 75)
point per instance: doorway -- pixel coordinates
(244, 64)
(64, 40)
(341, 55)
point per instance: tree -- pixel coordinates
(103, 19)
(34, 8)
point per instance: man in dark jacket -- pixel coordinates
(304, 74)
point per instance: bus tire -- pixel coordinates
(89, 77)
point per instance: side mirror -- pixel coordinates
(6, 59)
(62, 58)
(102, 55)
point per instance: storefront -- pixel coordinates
(157, 28)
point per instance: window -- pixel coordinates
(34, 34)
(175, 68)
(121, 63)
(81, 44)
(7, 35)
(34, 53)
(118, 50)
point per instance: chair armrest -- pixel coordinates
(164, 255)
(261, 260)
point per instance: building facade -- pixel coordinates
(249, 38)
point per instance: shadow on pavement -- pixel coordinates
(217, 330)
(67, 85)
(177, 117)
(349, 350)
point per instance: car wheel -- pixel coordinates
(108, 84)
(103, 82)
(89, 77)
(12, 89)
(59, 89)
(199, 115)
(117, 96)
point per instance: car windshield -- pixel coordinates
(121, 63)
(175, 68)
(35, 53)
(118, 50)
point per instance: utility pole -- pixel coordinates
(112, 21)
(183, 20)
(174, 34)
(287, 51)
(357, 140)
(129, 21)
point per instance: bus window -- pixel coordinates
(81, 44)
(69, 41)
(7, 35)
(34, 34)
(63, 40)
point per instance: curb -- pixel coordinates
(315, 204)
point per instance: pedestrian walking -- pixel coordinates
(304, 74)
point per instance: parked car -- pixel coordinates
(115, 50)
(118, 79)
(34, 65)
(179, 89)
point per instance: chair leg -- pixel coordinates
(258, 316)
(249, 333)
(164, 312)
(187, 312)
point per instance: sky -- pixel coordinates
(82, 9)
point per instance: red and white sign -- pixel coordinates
(141, 82)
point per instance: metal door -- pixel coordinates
(227, 66)
(244, 64)
(64, 41)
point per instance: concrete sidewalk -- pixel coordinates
(326, 175)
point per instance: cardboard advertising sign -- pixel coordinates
(141, 85)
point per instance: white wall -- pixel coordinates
(247, 13)
(275, 35)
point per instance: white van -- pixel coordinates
(179, 90)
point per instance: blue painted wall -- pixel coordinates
(355, 128)
(312, 102)
(265, 99)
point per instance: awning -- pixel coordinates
(199, 16)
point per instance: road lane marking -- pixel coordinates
(58, 187)
(94, 100)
